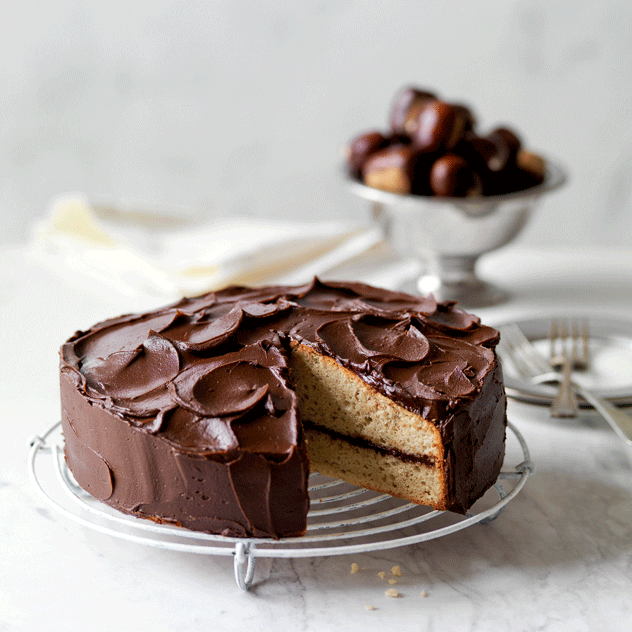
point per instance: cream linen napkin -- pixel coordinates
(172, 262)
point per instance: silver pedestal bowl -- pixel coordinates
(448, 235)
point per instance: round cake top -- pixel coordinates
(209, 374)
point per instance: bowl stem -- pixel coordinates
(454, 278)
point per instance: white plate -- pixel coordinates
(610, 371)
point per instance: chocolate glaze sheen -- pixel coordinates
(186, 416)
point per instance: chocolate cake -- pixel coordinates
(209, 413)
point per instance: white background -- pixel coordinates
(219, 108)
(242, 107)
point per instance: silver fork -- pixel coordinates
(528, 362)
(562, 358)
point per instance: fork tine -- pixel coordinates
(579, 344)
(563, 340)
(527, 349)
(558, 341)
(585, 356)
(553, 336)
(524, 357)
(508, 353)
(506, 348)
(508, 357)
(521, 363)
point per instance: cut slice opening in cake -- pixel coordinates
(357, 434)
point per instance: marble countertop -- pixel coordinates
(558, 558)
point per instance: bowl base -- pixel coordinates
(469, 293)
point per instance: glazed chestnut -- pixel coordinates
(477, 150)
(466, 113)
(495, 151)
(406, 110)
(531, 163)
(361, 148)
(440, 126)
(452, 176)
(391, 169)
(506, 145)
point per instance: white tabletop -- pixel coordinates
(558, 558)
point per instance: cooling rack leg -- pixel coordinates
(244, 564)
(526, 466)
(501, 494)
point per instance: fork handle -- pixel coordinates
(565, 404)
(620, 421)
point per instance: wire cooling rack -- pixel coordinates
(343, 519)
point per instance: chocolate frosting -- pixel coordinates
(197, 394)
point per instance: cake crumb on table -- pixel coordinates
(397, 571)
(370, 607)
(392, 581)
(391, 592)
(354, 568)
(381, 575)
(423, 593)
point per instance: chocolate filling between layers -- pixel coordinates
(360, 442)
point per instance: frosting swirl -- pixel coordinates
(209, 374)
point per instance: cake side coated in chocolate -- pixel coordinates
(187, 415)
